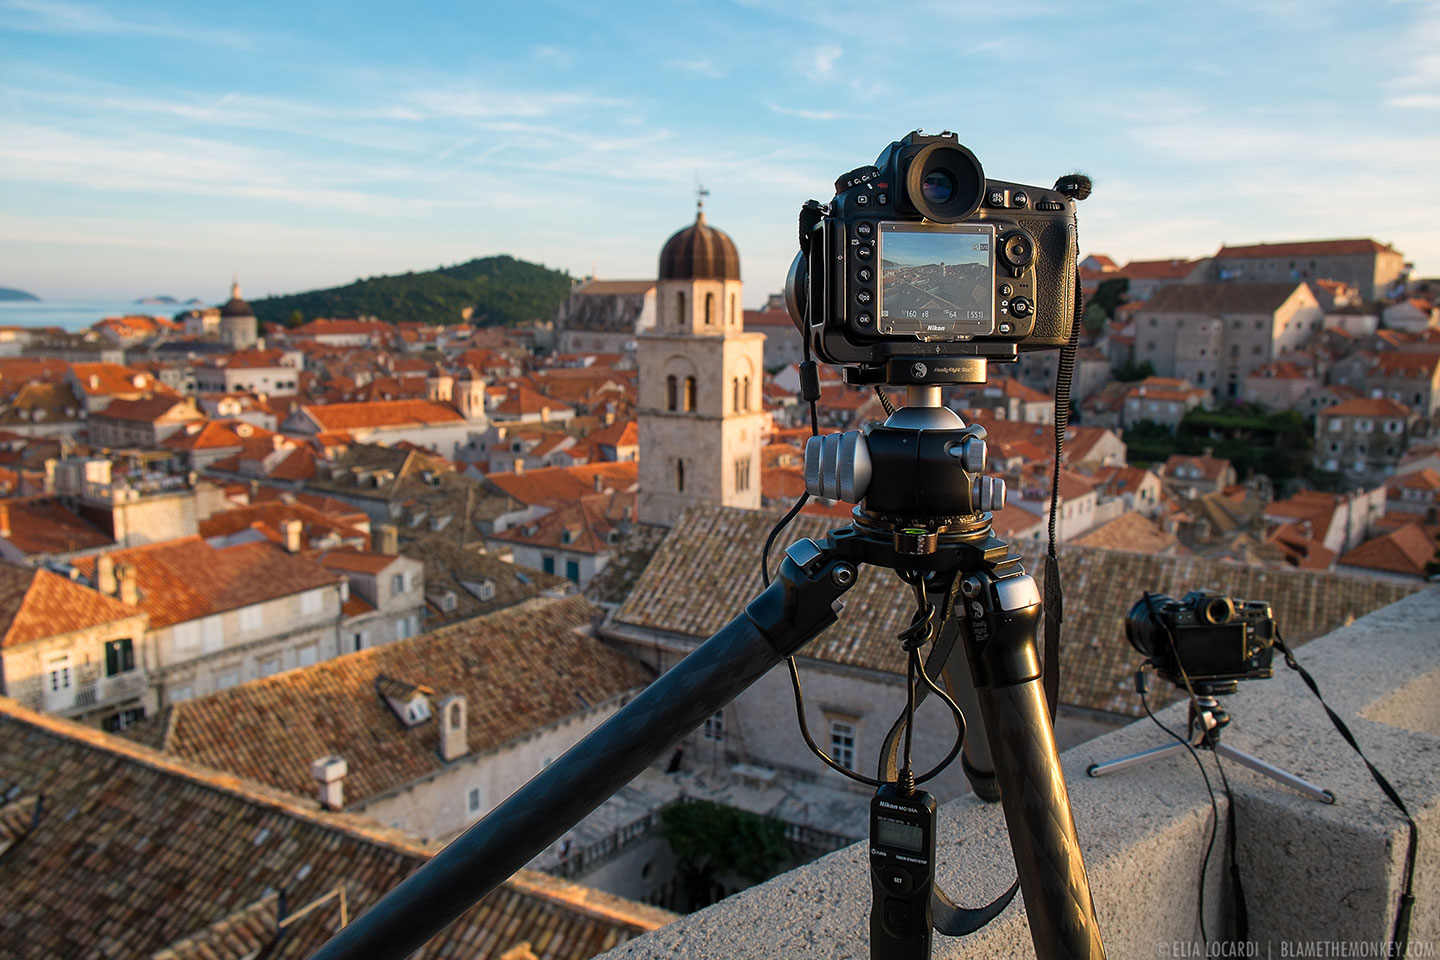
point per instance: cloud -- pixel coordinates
(801, 113)
(820, 65)
(47, 16)
(700, 66)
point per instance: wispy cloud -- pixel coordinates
(700, 66)
(819, 64)
(48, 16)
(801, 112)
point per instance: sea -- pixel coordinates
(74, 315)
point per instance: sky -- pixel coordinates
(160, 148)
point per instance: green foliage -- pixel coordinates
(1110, 294)
(1130, 372)
(1149, 442)
(1095, 318)
(502, 291)
(710, 839)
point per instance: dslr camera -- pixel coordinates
(1217, 640)
(920, 258)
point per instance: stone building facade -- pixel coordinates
(1371, 268)
(603, 316)
(700, 406)
(1217, 334)
(1363, 438)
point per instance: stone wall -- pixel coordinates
(1314, 874)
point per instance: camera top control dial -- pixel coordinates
(856, 177)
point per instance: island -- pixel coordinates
(6, 293)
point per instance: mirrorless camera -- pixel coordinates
(920, 258)
(1217, 639)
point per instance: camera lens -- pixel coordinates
(944, 182)
(938, 187)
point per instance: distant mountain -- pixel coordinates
(7, 293)
(500, 291)
(160, 299)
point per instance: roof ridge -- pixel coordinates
(248, 790)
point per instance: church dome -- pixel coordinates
(699, 252)
(236, 307)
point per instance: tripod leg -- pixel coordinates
(797, 606)
(1274, 773)
(1002, 617)
(1134, 760)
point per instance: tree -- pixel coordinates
(1110, 294)
(1095, 318)
(1130, 372)
(710, 839)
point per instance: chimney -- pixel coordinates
(4, 519)
(105, 575)
(388, 539)
(330, 773)
(599, 482)
(291, 530)
(453, 744)
(129, 586)
(519, 465)
(254, 491)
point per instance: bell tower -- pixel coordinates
(700, 407)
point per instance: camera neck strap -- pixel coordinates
(1401, 936)
(1054, 593)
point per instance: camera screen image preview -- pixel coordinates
(937, 282)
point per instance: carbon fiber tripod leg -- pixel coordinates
(1002, 615)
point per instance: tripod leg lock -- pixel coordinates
(804, 598)
(1001, 615)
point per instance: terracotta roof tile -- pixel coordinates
(518, 671)
(1369, 407)
(1305, 248)
(187, 578)
(1129, 531)
(1405, 550)
(137, 853)
(381, 413)
(550, 484)
(35, 604)
(41, 525)
(706, 571)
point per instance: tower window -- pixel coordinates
(745, 392)
(709, 309)
(672, 393)
(680, 476)
(742, 474)
(690, 393)
(737, 393)
(680, 309)
(734, 315)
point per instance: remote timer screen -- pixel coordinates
(896, 833)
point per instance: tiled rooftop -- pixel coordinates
(707, 569)
(42, 524)
(35, 604)
(136, 853)
(518, 671)
(185, 579)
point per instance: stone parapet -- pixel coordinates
(1314, 874)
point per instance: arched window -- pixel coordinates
(454, 716)
(733, 314)
(672, 393)
(709, 309)
(690, 393)
(746, 393)
(680, 476)
(680, 309)
(736, 401)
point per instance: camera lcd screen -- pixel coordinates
(937, 280)
(895, 833)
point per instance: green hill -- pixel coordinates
(501, 290)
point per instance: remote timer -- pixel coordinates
(902, 872)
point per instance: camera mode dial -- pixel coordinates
(856, 177)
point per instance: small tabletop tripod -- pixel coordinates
(1207, 719)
